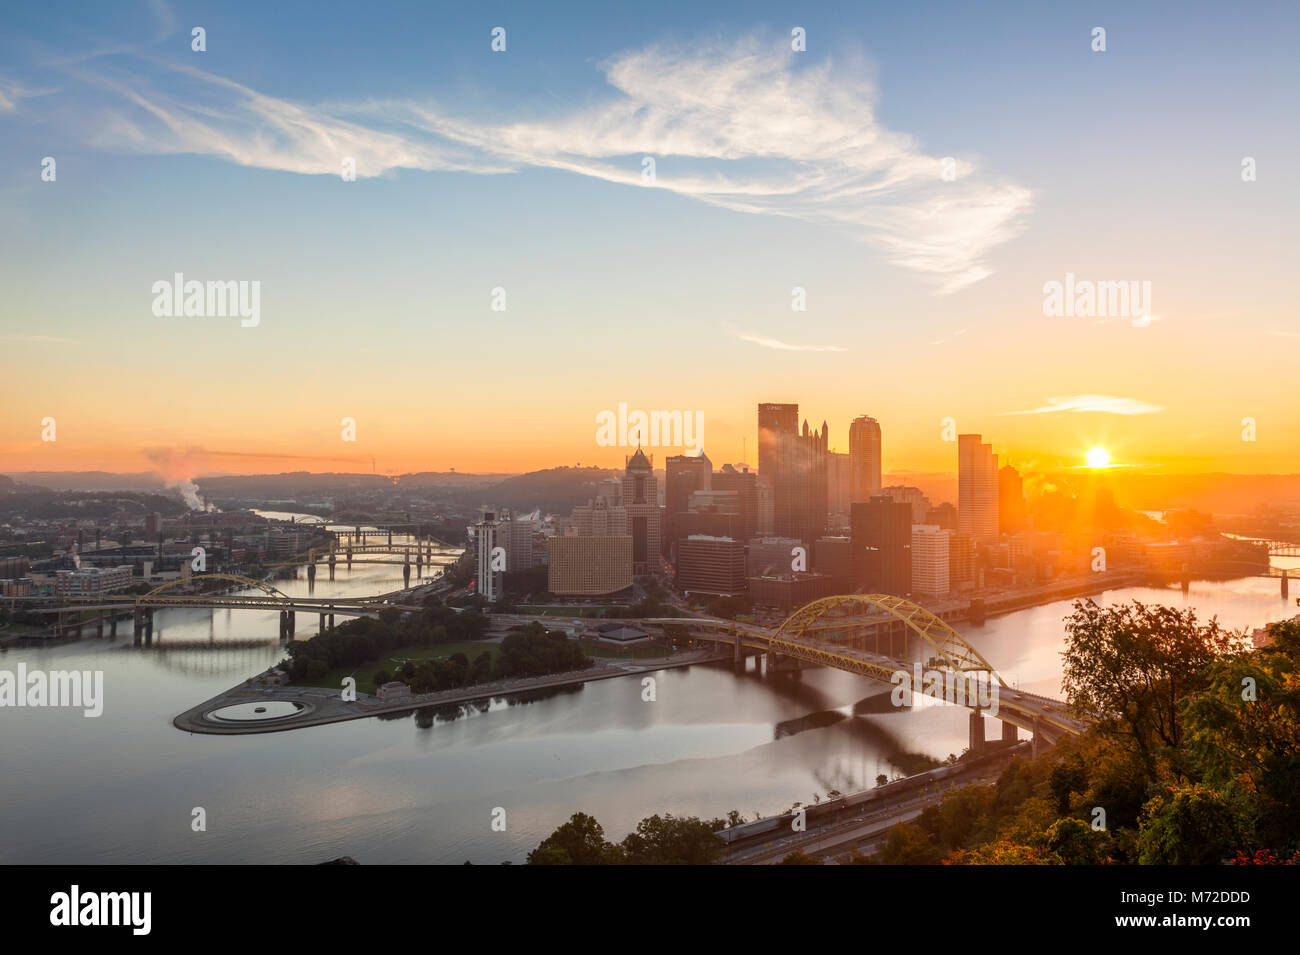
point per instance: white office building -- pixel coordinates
(930, 560)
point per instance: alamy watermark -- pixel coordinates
(1089, 299)
(82, 689)
(667, 429)
(194, 299)
(974, 688)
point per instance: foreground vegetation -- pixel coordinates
(1194, 760)
(657, 840)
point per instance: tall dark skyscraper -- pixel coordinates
(773, 421)
(795, 462)
(745, 484)
(881, 538)
(683, 474)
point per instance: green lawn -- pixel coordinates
(365, 674)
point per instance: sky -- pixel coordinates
(921, 174)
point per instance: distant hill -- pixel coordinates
(89, 480)
(291, 484)
(553, 491)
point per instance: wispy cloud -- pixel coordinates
(1101, 404)
(744, 125)
(11, 93)
(784, 346)
(164, 19)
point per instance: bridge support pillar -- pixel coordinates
(736, 658)
(292, 627)
(1036, 744)
(976, 731)
(139, 622)
(390, 538)
(1285, 588)
(322, 623)
(99, 625)
(1010, 734)
(406, 575)
(311, 574)
(349, 558)
(112, 627)
(148, 626)
(419, 564)
(331, 565)
(331, 617)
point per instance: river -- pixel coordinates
(122, 788)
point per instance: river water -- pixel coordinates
(123, 787)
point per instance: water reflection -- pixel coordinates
(419, 787)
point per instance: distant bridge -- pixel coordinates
(270, 599)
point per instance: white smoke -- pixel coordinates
(189, 492)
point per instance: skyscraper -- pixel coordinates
(839, 488)
(930, 554)
(1011, 501)
(977, 489)
(487, 582)
(745, 484)
(881, 538)
(864, 456)
(773, 421)
(595, 559)
(641, 502)
(795, 462)
(683, 474)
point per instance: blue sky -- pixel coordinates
(521, 169)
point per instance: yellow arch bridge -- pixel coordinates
(880, 636)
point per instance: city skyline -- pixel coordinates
(522, 170)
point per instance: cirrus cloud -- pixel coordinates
(744, 125)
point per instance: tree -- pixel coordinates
(674, 840)
(1130, 666)
(906, 844)
(1189, 825)
(1244, 729)
(1075, 842)
(580, 841)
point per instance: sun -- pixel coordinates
(1098, 458)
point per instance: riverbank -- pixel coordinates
(322, 706)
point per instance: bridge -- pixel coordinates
(1275, 548)
(1240, 568)
(417, 551)
(879, 636)
(269, 598)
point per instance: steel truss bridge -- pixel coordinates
(879, 636)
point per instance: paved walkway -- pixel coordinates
(325, 705)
